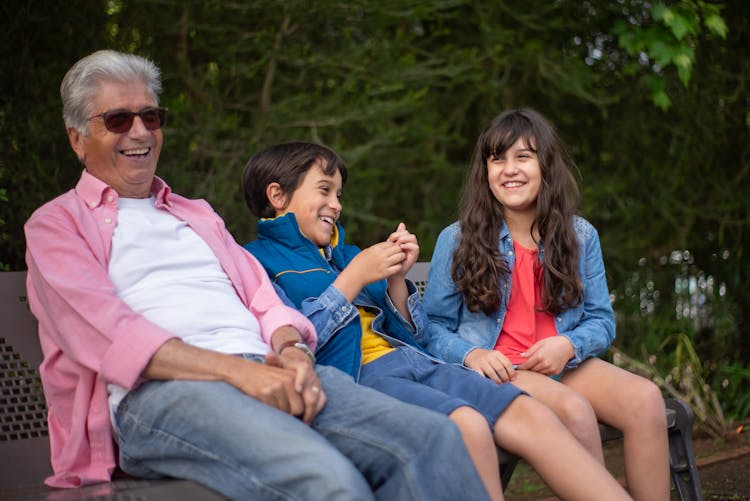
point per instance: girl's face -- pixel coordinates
(515, 178)
(315, 204)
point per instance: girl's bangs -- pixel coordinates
(501, 136)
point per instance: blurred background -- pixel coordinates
(651, 99)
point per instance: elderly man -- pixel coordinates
(163, 336)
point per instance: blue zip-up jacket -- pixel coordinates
(455, 331)
(296, 265)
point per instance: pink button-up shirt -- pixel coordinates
(90, 337)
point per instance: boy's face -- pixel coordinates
(315, 204)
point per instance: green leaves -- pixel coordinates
(682, 19)
(653, 109)
(668, 40)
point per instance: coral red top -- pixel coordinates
(524, 324)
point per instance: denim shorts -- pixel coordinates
(412, 377)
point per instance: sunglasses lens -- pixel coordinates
(152, 119)
(118, 122)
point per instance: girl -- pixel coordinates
(517, 292)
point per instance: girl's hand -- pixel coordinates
(548, 356)
(491, 364)
(408, 244)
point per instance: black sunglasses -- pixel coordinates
(120, 121)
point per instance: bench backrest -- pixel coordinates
(23, 411)
(418, 274)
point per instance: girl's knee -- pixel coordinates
(648, 405)
(575, 411)
(578, 416)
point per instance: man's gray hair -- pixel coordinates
(82, 81)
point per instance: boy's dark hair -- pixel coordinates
(286, 164)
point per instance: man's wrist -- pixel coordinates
(300, 346)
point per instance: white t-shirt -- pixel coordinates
(164, 271)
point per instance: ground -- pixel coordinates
(723, 465)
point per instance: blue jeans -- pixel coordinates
(412, 377)
(362, 445)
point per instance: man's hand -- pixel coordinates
(306, 382)
(491, 364)
(270, 383)
(286, 383)
(548, 356)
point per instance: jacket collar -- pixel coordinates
(285, 230)
(95, 192)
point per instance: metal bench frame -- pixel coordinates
(680, 418)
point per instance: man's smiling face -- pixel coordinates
(126, 161)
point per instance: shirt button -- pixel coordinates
(344, 309)
(510, 253)
(559, 319)
(110, 198)
(107, 220)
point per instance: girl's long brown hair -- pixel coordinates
(478, 268)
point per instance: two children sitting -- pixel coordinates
(371, 324)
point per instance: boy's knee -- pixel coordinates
(523, 418)
(471, 423)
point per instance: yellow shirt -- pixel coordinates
(373, 345)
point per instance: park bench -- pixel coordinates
(680, 417)
(24, 440)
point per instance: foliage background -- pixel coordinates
(652, 100)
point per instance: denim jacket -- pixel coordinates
(454, 330)
(306, 277)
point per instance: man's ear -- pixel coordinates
(276, 197)
(76, 142)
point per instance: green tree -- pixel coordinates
(650, 97)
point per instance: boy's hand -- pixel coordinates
(374, 263)
(378, 261)
(408, 243)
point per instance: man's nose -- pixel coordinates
(138, 129)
